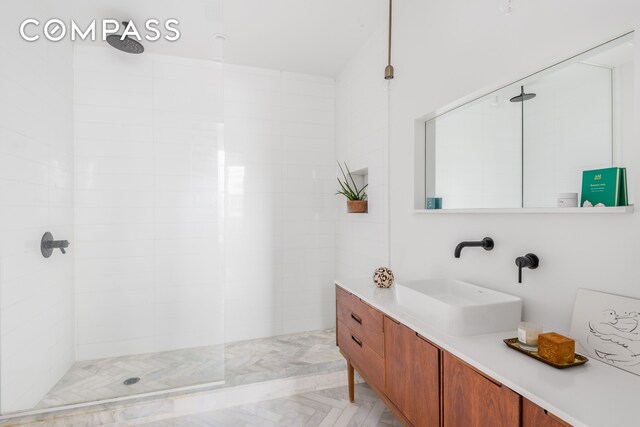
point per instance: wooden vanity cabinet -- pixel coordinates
(412, 374)
(535, 416)
(421, 383)
(472, 399)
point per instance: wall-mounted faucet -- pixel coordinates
(486, 244)
(47, 245)
(530, 261)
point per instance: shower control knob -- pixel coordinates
(48, 244)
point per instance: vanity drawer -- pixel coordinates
(365, 321)
(366, 361)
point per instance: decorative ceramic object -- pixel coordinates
(606, 327)
(383, 277)
(357, 206)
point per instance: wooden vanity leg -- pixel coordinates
(350, 375)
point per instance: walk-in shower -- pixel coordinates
(196, 198)
(111, 272)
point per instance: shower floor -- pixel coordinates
(246, 362)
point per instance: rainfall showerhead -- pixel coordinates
(523, 96)
(125, 44)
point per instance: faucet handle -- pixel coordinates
(530, 261)
(62, 245)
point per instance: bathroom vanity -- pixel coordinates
(429, 378)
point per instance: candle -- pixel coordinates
(528, 335)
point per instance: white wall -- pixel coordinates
(445, 50)
(280, 208)
(36, 195)
(148, 130)
(361, 141)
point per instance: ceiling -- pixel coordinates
(305, 36)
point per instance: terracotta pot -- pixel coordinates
(357, 206)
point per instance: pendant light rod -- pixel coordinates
(390, 24)
(388, 71)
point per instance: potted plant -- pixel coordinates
(356, 198)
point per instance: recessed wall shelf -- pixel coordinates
(612, 210)
(361, 176)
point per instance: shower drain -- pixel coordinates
(131, 381)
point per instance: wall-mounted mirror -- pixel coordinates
(522, 145)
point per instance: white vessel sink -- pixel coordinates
(460, 308)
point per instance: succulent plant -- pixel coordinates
(348, 187)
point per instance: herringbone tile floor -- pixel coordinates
(323, 408)
(245, 362)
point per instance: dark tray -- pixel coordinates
(515, 344)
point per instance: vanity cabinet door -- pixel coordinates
(471, 399)
(535, 416)
(412, 374)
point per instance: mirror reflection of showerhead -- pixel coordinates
(125, 44)
(523, 96)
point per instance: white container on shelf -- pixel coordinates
(567, 200)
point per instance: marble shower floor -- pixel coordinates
(323, 408)
(245, 362)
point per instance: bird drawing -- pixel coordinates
(625, 323)
(615, 338)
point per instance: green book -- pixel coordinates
(604, 186)
(624, 194)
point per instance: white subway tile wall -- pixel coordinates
(148, 266)
(37, 320)
(280, 212)
(148, 203)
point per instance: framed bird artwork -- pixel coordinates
(605, 326)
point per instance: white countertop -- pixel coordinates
(594, 394)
